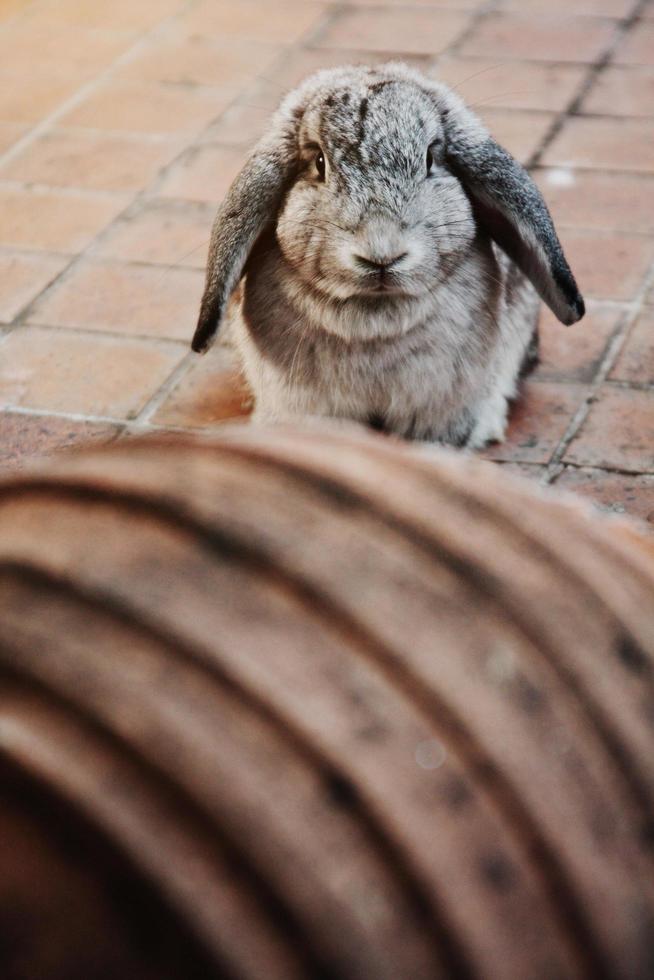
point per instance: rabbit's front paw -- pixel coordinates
(491, 423)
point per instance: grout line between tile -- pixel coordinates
(38, 189)
(139, 136)
(630, 385)
(125, 425)
(477, 17)
(160, 395)
(614, 470)
(623, 25)
(614, 347)
(71, 416)
(106, 333)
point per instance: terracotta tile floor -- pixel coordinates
(122, 122)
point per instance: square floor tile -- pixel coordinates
(255, 20)
(143, 107)
(52, 370)
(179, 59)
(203, 174)
(53, 220)
(608, 264)
(23, 277)
(636, 360)
(621, 91)
(93, 161)
(170, 233)
(521, 133)
(575, 353)
(132, 300)
(603, 144)
(25, 438)
(590, 199)
(211, 391)
(407, 30)
(637, 47)
(618, 432)
(544, 38)
(103, 15)
(538, 421)
(613, 493)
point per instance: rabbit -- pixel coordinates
(393, 257)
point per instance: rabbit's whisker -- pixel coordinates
(476, 74)
(175, 265)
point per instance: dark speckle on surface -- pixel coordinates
(630, 655)
(497, 871)
(341, 791)
(456, 794)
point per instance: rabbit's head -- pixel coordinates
(376, 181)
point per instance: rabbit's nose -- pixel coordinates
(379, 265)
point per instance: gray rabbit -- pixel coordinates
(393, 257)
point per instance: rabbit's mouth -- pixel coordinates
(382, 286)
(381, 279)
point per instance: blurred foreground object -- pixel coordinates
(307, 704)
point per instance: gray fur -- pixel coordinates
(437, 353)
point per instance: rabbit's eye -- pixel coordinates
(320, 164)
(434, 155)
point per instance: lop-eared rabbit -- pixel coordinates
(393, 257)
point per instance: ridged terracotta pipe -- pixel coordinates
(310, 704)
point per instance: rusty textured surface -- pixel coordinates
(302, 705)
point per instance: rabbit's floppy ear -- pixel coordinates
(251, 203)
(510, 207)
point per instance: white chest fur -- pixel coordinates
(438, 379)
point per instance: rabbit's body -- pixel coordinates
(390, 250)
(446, 375)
